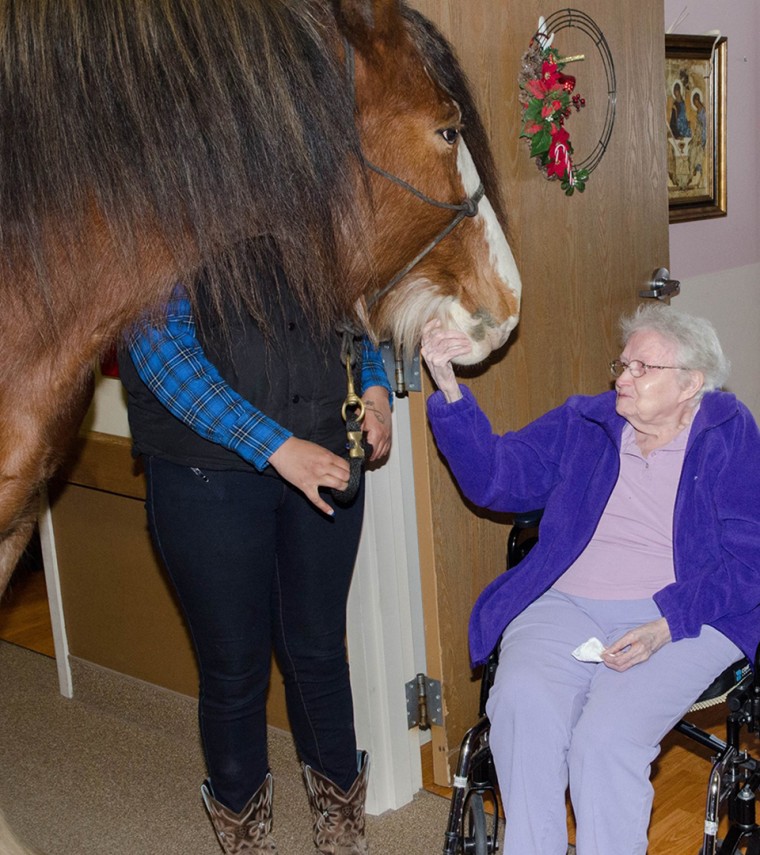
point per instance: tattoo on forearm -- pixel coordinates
(370, 405)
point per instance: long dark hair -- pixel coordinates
(195, 122)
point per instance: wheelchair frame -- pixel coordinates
(733, 784)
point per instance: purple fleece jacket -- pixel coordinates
(567, 462)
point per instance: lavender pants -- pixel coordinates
(557, 722)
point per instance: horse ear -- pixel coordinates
(366, 22)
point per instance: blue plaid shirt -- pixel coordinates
(171, 362)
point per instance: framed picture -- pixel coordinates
(695, 85)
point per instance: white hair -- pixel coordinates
(698, 347)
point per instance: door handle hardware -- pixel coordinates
(662, 286)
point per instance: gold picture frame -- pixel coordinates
(695, 88)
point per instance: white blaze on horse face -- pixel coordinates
(486, 333)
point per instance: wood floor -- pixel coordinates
(680, 773)
(24, 613)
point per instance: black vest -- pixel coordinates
(292, 376)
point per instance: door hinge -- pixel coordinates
(403, 370)
(424, 703)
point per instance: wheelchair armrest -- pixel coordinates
(487, 678)
(738, 696)
(726, 683)
(745, 697)
(520, 540)
(528, 519)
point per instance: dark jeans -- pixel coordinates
(258, 568)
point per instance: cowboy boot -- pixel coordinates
(247, 831)
(338, 816)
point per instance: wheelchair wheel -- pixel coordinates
(476, 842)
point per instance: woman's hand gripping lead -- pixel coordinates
(308, 466)
(378, 426)
(439, 347)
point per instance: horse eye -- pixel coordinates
(451, 135)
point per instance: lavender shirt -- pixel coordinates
(630, 556)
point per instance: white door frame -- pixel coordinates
(385, 625)
(55, 604)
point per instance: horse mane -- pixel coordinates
(192, 126)
(198, 123)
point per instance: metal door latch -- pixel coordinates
(662, 286)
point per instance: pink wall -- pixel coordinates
(709, 246)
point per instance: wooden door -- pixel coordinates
(583, 261)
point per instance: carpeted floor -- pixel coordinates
(116, 771)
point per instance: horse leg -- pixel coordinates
(19, 498)
(37, 432)
(11, 548)
(13, 545)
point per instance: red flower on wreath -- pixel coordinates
(550, 73)
(546, 83)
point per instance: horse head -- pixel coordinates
(434, 245)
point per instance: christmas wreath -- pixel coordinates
(548, 98)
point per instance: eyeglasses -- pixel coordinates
(637, 367)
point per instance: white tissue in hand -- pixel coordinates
(589, 651)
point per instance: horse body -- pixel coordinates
(46, 375)
(144, 141)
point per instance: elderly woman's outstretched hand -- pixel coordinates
(637, 645)
(438, 348)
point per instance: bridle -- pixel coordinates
(467, 208)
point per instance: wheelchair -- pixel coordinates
(733, 783)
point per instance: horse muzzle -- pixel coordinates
(485, 334)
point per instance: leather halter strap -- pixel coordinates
(466, 208)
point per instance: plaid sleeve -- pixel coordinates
(373, 368)
(172, 364)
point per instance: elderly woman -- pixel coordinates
(650, 543)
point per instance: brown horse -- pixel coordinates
(144, 140)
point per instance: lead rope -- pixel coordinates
(352, 413)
